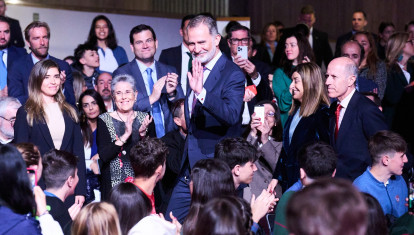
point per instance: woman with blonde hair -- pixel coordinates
(49, 122)
(97, 218)
(308, 120)
(400, 72)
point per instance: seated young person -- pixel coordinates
(316, 160)
(87, 62)
(383, 178)
(60, 176)
(148, 162)
(240, 156)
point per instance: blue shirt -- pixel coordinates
(391, 197)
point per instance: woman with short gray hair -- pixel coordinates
(118, 131)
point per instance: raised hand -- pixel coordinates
(171, 83)
(196, 79)
(144, 126)
(156, 90)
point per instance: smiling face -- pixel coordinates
(201, 44)
(395, 162)
(101, 29)
(90, 107)
(51, 83)
(124, 96)
(39, 42)
(292, 49)
(144, 46)
(296, 87)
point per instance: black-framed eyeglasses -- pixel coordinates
(11, 120)
(236, 41)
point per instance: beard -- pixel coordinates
(40, 54)
(206, 57)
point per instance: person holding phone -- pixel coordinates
(256, 72)
(308, 120)
(297, 50)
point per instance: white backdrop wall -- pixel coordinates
(70, 28)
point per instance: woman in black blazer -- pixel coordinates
(308, 120)
(49, 122)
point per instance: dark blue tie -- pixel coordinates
(156, 108)
(3, 72)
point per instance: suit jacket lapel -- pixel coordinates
(44, 129)
(348, 118)
(136, 73)
(332, 123)
(67, 135)
(215, 73)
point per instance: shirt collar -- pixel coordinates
(142, 67)
(344, 103)
(35, 59)
(184, 49)
(212, 62)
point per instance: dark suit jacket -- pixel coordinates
(321, 47)
(172, 57)
(220, 114)
(396, 82)
(13, 54)
(142, 104)
(19, 73)
(362, 119)
(312, 128)
(40, 136)
(16, 35)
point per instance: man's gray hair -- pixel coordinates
(123, 78)
(351, 69)
(8, 102)
(207, 21)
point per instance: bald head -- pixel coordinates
(340, 77)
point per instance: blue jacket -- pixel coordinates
(13, 223)
(120, 56)
(390, 197)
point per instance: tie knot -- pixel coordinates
(205, 68)
(148, 70)
(189, 54)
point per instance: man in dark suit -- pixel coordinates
(213, 104)
(16, 36)
(157, 84)
(255, 71)
(179, 57)
(359, 21)
(8, 54)
(318, 40)
(354, 119)
(37, 36)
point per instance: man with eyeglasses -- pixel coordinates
(255, 71)
(8, 110)
(157, 83)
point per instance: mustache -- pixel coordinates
(106, 89)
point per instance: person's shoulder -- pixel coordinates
(360, 181)
(12, 20)
(172, 49)
(319, 33)
(62, 64)
(119, 48)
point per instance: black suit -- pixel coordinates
(172, 56)
(16, 35)
(39, 135)
(321, 47)
(362, 119)
(14, 53)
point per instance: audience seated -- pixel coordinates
(383, 178)
(102, 35)
(97, 218)
(328, 207)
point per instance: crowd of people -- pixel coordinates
(207, 140)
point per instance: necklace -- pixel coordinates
(120, 116)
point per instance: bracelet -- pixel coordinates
(44, 213)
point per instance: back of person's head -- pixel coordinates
(78, 84)
(130, 203)
(235, 151)
(317, 159)
(58, 166)
(146, 156)
(97, 218)
(30, 153)
(211, 178)
(385, 143)
(15, 187)
(329, 207)
(377, 222)
(225, 215)
(373, 97)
